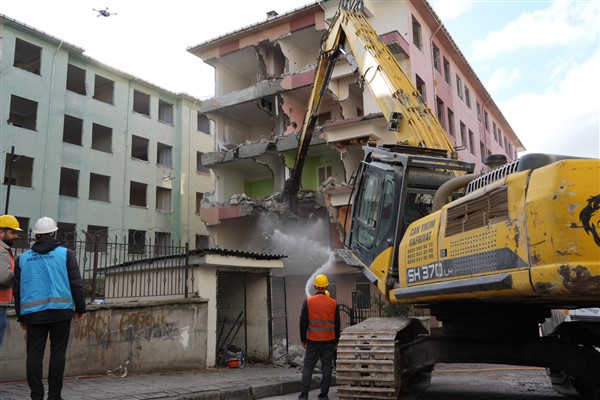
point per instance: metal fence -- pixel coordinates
(122, 268)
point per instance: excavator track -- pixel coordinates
(368, 364)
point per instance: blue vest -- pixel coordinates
(45, 281)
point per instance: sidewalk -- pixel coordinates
(250, 382)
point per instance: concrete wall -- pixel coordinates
(151, 336)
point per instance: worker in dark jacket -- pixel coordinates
(47, 287)
(319, 333)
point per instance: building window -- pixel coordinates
(451, 123)
(101, 138)
(463, 135)
(136, 241)
(138, 194)
(440, 108)
(202, 242)
(459, 87)
(362, 294)
(96, 238)
(478, 112)
(447, 75)
(499, 135)
(165, 112)
(467, 97)
(486, 121)
(141, 103)
(199, 166)
(20, 173)
(67, 234)
(471, 141)
(104, 89)
(420, 84)
(495, 130)
(23, 113)
(99, 187)
(28, 56)
(139, 147)
(436, 57)
(203, 123)
(324, 172)
(76, 79)
(163, 199)
(199, 197)
(416, 31)
(164, 154)
(69, 182)
(482, 151)
(22, 242)
(162, 243)
(72, 130)
(505, 144)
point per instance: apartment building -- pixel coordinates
(263, 77)
(103, 152)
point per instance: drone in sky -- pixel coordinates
(104, 13)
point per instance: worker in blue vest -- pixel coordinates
(319, 333)
(49, 293)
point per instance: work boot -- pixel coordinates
(303, 395)
(323, 396)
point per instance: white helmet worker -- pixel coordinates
(44, 225)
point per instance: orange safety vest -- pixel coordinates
(6, 295)
(321, 318)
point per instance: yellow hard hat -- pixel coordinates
(10, 222)
(321, 281)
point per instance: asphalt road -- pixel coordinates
(477, 382)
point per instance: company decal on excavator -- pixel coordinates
(590, 218)
(427, 272)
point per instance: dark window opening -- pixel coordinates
(164, 154)
(69, 182)
(76, 80)
(416, 31)
(22, 242)
(136, 241)
(72, 130)
(101, 138)
(436, 58)
(203, 123)
(96, 238)
(139, 147)
(141, 103)
(163, 199)
(23, 113)
(138, 194)
(28, 56)
(202, 242)
(199, 197)
(99, 187)
(165, 112)
(21, 173)
(67, 234)
(104, 89)
(420, 84)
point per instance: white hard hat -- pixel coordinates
(45, 225)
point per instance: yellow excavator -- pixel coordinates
(490, 255)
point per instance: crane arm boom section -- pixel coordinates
(400, 102)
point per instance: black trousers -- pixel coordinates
(37, 335)
(315, 351)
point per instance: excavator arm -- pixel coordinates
(351, 35)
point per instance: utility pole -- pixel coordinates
(9, 183)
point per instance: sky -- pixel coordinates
(539, 59)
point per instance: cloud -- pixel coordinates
(451, 9)
(500, 79)
(565, 118)
(564, 23)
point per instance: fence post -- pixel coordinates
(186, 268)
(95, 268)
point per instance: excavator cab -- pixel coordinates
(394, 190)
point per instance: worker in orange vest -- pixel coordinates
(319, 333)
(9, 232)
